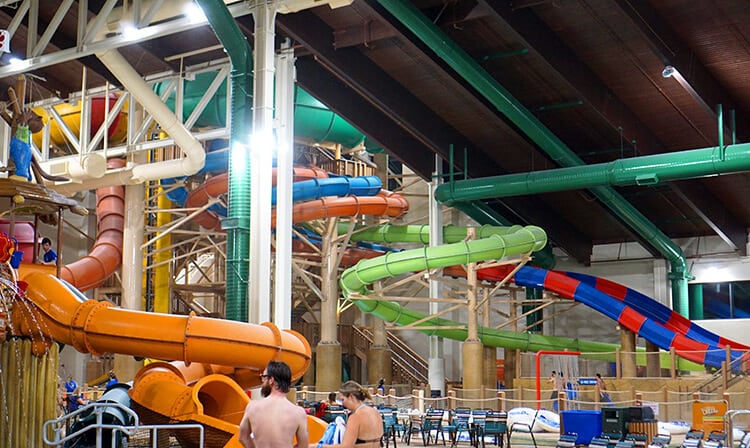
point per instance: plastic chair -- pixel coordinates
(745, 440)
(639, 439)
(460, 424)
(693, 439)
(567, 440)
(390, 427)
(496, 425)
(478, 422)
(433, 422)
(660, 441)
(600, 442)
(715, 439)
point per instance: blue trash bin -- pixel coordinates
(587, 424)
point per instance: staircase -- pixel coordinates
(716, 383)
(407, 366)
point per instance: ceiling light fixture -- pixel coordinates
(668, 71)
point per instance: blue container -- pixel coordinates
(587, 424)
(15, 259)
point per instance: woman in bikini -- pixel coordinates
(364, 427)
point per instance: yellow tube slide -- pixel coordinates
(213, 350)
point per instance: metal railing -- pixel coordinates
(118, 434)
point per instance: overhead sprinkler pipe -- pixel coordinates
(497, 95)
(194, 153)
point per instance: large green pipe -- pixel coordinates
(354, 282)
(389, 233)
(645, 170)
(484, 83)
(483, 214)
(312, 119)
(237, 223)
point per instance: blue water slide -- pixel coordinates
(651, 330)
(656, 311)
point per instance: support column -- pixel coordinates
(261, 144)
(379, 363)
(510, 356)
(436, 360)
(627, 343)
(472, 350)
(282, 285)
(653, 360)
(328, 352)
(490, 353)
(126, 366)
(379, 355)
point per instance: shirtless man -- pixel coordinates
(274, 421)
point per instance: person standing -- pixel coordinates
(50, 256)
(364, 427)
(112, 380)
(602, 387)
(274, 421)
(556, 381)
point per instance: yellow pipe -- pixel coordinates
(162, 274)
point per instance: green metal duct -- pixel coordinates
(473, 73)
(312, 119)
(645, 170)
(237, 222)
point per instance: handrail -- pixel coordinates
(57, 426)
(728, 423)
(413, 365)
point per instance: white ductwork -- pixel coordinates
(195, 156)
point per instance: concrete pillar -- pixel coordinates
(379, 365)
(627, 343)
(490, 367)
(472, 354)
(510, 360)
(379, 355)
(328, 366)
(653, 361)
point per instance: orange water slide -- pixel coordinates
(55, 311)
(215, 186)
(106, 254)
(216, 358)
(385, 203)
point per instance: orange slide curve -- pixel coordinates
(220, 357)
(106, 254)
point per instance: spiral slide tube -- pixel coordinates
(354, 283)
(213, 350)
(651, 330)
(106, 254)
(315, 187)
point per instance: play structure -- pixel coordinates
(209, 363)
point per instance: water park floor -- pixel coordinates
(519, 440)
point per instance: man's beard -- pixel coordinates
(265, 390)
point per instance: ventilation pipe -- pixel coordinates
(237, 223)
(643, 171)
(496, 94)
(194, 154)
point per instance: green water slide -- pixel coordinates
(492, 243)
(312, 119)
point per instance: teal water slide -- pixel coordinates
(493, 243)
